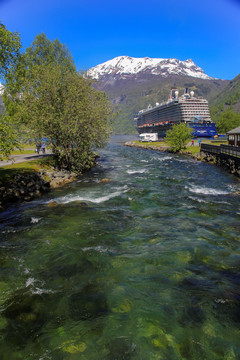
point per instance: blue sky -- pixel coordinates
(95, 31)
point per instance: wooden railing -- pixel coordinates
(230, 150)
(222, 149)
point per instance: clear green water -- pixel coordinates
(144, 267)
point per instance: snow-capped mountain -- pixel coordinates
(123, 66)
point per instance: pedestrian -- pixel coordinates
(43, 148)
(38, 147)
(192, 143)
(199, 142)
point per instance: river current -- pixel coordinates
(143, 267)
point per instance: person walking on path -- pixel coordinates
(192, 143)
(38, 147)
(43, 148)
(199, 142)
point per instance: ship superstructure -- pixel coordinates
(187, 108)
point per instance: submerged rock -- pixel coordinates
(80, 203)
(52, 204)
(104, 181)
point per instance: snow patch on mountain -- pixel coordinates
(126, 65)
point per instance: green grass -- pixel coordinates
(8, 172)
(192, 149)
(22, 152)
(150, 143)
(219, 142)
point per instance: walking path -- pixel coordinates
(21, 158)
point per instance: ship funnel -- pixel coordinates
(172, 93)
(191, 93)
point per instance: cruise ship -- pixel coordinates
(191, 110)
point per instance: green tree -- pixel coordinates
(227, 121)
(178, 136)
(43, 51)
(70, 112)
(10, 45)
(8, 137)
(53, 99)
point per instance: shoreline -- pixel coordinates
(228, 166)
(25, 187)
(144, 146)
(163, 148)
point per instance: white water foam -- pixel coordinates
(197, 199)
(39, 291)
(31, 282)
(100, 249)
(8, 231)
(92, 197)
(165, 158)
(35, 220)
(206, 191)
(192, 161)
(140, 171)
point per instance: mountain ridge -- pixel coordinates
(122, 67)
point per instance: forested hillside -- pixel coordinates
(228, 97)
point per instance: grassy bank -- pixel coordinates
(189, 149)
(8, 172)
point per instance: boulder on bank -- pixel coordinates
(26, 187)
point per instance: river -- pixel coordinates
(143, 267)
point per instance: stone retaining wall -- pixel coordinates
(26, 187)
(228, 163)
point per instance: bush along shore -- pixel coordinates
(28, 185)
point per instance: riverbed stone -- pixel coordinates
(104, 181)
(52, 204)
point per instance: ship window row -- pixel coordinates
(195, 112)
(195, 107)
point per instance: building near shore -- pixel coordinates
(234, 137)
